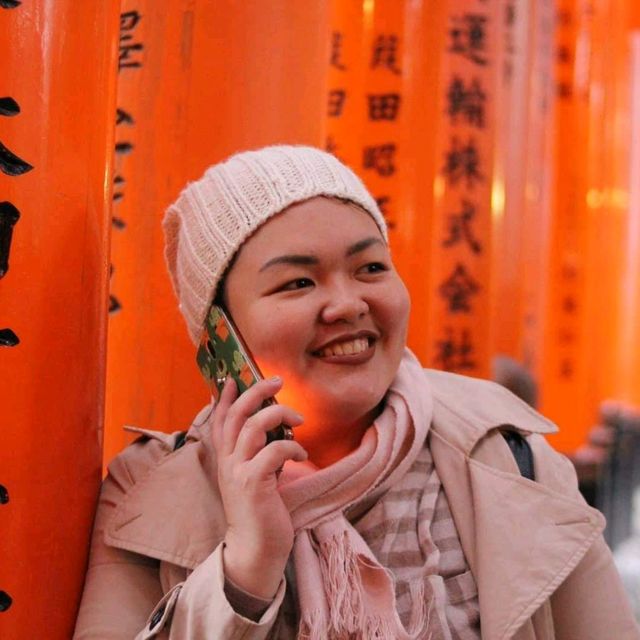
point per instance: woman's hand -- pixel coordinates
(259, 536)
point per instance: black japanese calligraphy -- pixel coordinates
(9, 107)
(383, 204)
(564, 90)
(380, 158)
(11, 164)
(569, 304)
(468, 37)
(123, 148)
(384, 53)
(459, 228)
(337, 39)
(566, 368)
(458, 289)
(337, 98)
(463, 163)
(384, 106)
(455, 352)
(9, 215)
(130, 52)
(8, 338)
(129, 20)
(466, 101)
(123, 117)
(114, 304)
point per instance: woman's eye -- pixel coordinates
(298, 283)
(375, 267)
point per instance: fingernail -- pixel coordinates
(299, 417)
(275, 379)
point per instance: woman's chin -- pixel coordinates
(344, 409)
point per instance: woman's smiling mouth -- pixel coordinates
(352, 349)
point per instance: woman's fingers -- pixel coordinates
(271, 458)
(227, 397)
(243, 408)
(252, 436)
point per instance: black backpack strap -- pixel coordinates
(181, 438)
(521, 452)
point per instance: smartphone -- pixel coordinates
(223, 353)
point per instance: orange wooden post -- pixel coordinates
(607, 196)
(426, 24)
(382, 109)
(343, 121)
(510, 162)
(459, 326)
(582, 366)
(56, 125)
(536, 205)
(215, 77)
(565, 375)
(629, 337)
(521, 207)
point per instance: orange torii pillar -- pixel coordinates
(460, 257)
(610, 230)
(629, 342)
(537, 191)
(567, 390)
(198, 81)
(57, 99)
(425, 29)
(343, 121)
(521, 208)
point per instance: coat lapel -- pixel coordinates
(175, 513)
(521, 538)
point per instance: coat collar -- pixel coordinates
(466, 409)
(175, 512)
(521, 538)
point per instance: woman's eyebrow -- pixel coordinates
(305, 260)
(289, 259)
(361, 245)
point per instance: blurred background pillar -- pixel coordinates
(564, 375)
(523, 162)
(57, 100)
(199, 80)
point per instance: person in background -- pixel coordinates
(410, 504)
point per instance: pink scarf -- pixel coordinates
(343, 591)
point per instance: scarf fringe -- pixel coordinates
(420, 613)
(342, 584)
(317, 627)
(348, 617)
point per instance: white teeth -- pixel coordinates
(350, 347)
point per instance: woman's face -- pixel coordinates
(316, 297)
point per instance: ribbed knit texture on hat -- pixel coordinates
(213, 216)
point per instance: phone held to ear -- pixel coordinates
(223, 353)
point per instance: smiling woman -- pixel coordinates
(329, 317)
(398, 510)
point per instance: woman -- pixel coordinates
(398, 511)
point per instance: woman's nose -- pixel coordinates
(344, 304)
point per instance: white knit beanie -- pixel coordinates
(213, 216)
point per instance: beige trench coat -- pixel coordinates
(541, 566)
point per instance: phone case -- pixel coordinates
(222, 353)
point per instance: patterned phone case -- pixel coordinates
(222, 353)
